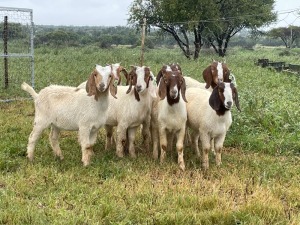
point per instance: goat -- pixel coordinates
(131, 109)
(209, 116)
(70, 108)
(214, 73)
(169, 114)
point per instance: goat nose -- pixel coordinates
(229, 104)
(139, 87)
(102, 86)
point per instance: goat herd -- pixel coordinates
(164, 106)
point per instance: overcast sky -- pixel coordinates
(111, 12)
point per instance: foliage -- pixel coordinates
(258, 182)
(180, 19)
(14, 30)
(288, 35)
(104, 37)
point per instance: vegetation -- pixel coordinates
(288, 35)
(103, 37)
(258, 182)
(195, 16)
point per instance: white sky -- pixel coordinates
(112, 12)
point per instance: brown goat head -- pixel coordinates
(172, 83)
(217, 71)
(223, 96)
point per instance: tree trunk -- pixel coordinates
(198, 40)
(183, 45)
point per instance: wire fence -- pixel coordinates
(16, 50)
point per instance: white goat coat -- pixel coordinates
(126, 111)
(193, 83)
(172, 117)
(69, 108)
(206, 124)
(128, 114)
(201, 116)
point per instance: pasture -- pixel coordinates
(257, 183)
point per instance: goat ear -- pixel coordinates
(130, 85)
(214, 99)
(207, 76)
(183, 89)
(235, 97)
(113, 87)
(162, 89)
(159, 76)
(120, 68)
(91, 84)
(125, 74)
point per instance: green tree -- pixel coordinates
(212, 21)
(288, 35)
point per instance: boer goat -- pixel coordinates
(209, 116)
(130, 110)
(169, 114)
(70, 108)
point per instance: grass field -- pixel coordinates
(258, 182)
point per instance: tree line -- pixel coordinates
(106, 37)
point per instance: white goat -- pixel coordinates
(169, 114)
(209, 116)
(131, 109)
(70, 108)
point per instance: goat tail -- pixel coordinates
(29, 89)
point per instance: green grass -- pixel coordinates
(258, 182)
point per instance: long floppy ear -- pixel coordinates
(227, 76)
(113, 86)
(90, 86)
(183, 89)
(130, 79)
(214, 99)
(162, 89)
(159, 76)
(147, 72)
(119, 75)
(207, 76)
(235, 96)
(124, 71)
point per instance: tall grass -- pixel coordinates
(258, 182)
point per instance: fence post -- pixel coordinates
(143, 42)
(5, 38)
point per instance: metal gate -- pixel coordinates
(16, 50)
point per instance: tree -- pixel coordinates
(287, 34)
(212, 21)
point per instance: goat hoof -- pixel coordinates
(120, 154)
(182, 167)
(85, 164)
(30, 158)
